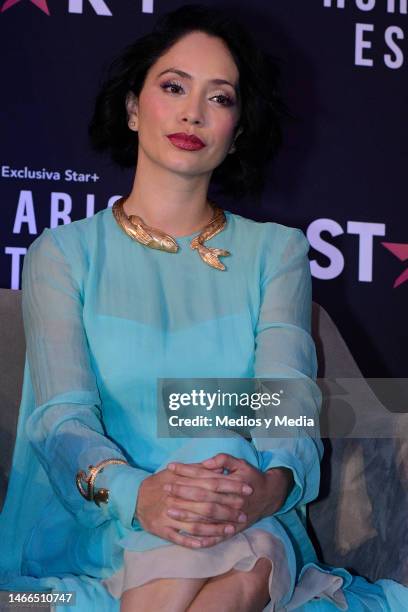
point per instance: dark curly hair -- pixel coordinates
(244, 170)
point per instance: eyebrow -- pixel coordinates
(188, 76)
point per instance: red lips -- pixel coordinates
(186, 141)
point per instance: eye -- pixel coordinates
(175, 87)
(173, 84)
(225, 100)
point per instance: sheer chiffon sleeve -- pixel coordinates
(66, 427)
(284, 348)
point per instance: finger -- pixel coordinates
(204, 529)
(188, 515)
(223, 460)
(173, 535)
(195, 470)
(194, 493)
(214, 512)
(211, 470)
(218, 484)
(214, 470)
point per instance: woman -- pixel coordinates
(121, 516)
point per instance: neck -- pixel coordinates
(174, 203)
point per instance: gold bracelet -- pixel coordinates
(100, 495)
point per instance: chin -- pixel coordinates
(184, 166)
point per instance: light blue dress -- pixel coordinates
(104, 318)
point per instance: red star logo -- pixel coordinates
(41, 4)
(400, 251)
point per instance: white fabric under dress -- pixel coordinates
(240, 552)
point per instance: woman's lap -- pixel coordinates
(241, 552)
(233, 590)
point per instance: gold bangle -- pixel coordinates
(100, 495)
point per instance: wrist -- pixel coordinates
(279, 484)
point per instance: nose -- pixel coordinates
(192, 112)
(192, 120)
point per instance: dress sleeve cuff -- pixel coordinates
(287, 460)
(123, 482)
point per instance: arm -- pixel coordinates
(66, 428)
(284, 348)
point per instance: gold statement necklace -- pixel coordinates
(154, 238)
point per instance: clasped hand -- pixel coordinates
(198, 505)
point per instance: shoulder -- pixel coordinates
(269, 235)
(71, 237)
(275, 248)
(80, 232)
(65, 249)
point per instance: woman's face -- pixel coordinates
(190, 103)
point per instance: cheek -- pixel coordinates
(225, 127)
(155, 110)
(224, 138)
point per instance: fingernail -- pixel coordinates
(247, 489)
(242, 518)
(196, 543)
(171, 466)
(167, 487)
(229, 529)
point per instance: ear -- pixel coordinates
(240, 130)
(132, 111)
(233, 149)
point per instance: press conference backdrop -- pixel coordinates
(341, 176)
